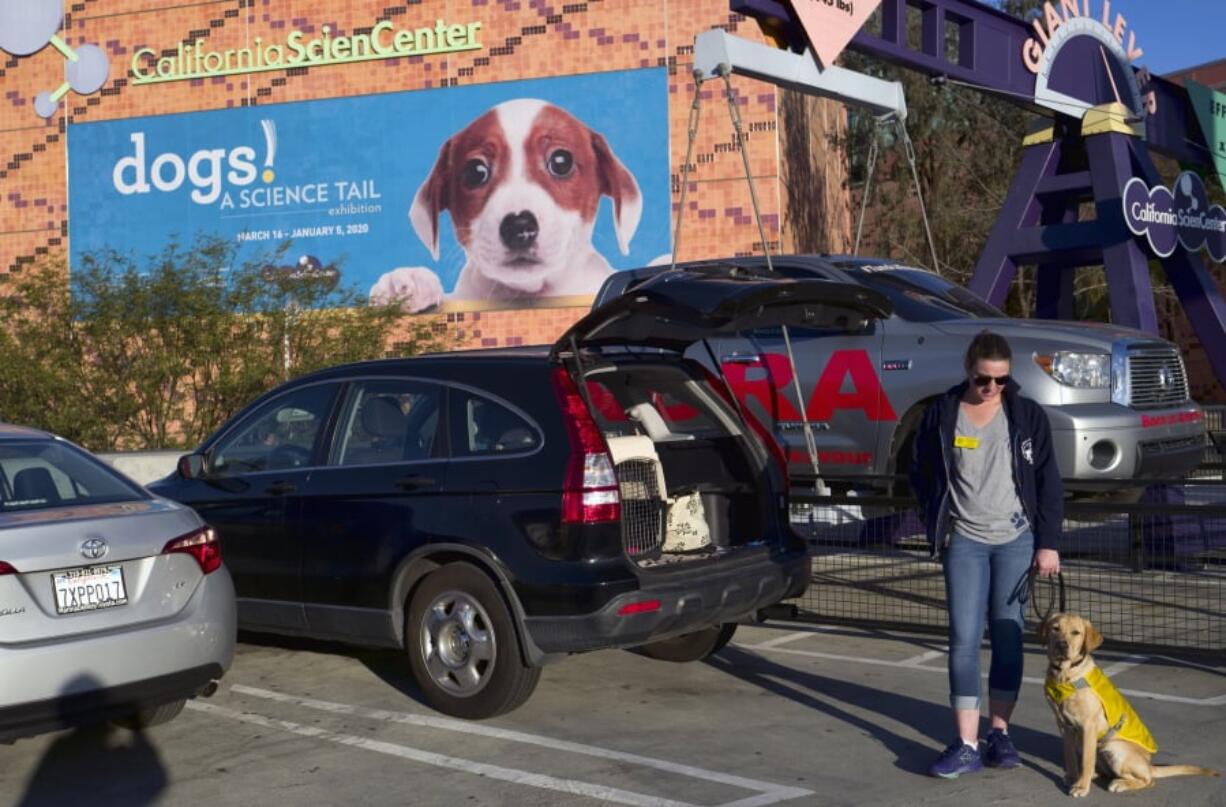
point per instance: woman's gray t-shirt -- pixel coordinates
(985, 503)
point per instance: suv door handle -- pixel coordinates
(741, 358)
(414, 482)
(280, 488)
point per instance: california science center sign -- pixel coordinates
(194, 60)
(1178, 216)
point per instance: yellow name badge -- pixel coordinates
(962, 441)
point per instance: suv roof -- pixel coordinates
(11, 431)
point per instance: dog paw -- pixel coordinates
(1079, 791)
(414, 287)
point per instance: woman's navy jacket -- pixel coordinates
(1035, 472)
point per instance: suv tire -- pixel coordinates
(462, 646)
(152, 716)
(694, 646)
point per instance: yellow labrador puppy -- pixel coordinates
(1097, 724)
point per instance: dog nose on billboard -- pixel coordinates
(519, 230)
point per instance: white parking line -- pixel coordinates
(786, 638)
(910, 664)
(518, 777)
(1124, 664)
(922, 658)
(767, 792)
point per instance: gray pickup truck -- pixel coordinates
(1117, 398)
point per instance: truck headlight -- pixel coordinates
(1080, 370)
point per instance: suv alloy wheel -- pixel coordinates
(462, 646)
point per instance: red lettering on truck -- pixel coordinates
(1150, 421)
(773, 389)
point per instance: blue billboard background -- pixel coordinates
(337, 177)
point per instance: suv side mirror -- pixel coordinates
(191, 466)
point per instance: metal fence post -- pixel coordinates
(1136, 542)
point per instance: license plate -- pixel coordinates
(89, 589)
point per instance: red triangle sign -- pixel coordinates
(830, 24)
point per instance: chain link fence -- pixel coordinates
(1150, 574)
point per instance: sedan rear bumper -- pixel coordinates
(100, 705)
(148, 664)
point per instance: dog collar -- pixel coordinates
(1059, 692)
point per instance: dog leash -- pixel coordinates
(1055, 594)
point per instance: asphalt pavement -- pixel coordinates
(788, 714)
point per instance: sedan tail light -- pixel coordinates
(202, 545)
(7, 569)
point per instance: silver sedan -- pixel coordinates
(114, 604)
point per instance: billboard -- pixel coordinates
(505, 195)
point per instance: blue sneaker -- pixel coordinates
(998, 750)
(957, 759)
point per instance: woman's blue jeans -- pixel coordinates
(986, 581)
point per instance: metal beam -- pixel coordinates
(988, 56)
(796, 71)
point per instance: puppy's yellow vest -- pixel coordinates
(1122, 720)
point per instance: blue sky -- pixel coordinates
(1174, 34)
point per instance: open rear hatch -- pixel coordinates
(676, 308)
(689, 487)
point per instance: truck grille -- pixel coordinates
(641, 506)
(1156, 377)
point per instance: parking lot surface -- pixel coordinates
(789, 713)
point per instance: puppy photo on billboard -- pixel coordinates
(522, 184)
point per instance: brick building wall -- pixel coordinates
(522, 39)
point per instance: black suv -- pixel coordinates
(489, 510)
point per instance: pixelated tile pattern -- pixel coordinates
(522, 38)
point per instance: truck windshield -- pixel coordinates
(920, 296)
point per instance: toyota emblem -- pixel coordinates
(94, 548)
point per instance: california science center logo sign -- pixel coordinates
(1177, 216)
(195, 60)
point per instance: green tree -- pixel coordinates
(967, 146)
(158, 353)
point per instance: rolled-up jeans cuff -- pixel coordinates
(1003, 695)
(964, 701)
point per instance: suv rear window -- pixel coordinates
(920, 296)
(627, 398)
(41, 474)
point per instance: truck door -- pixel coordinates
(840, 384)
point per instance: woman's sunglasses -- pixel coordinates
(984, 380)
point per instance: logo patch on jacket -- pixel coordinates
(1028, 450)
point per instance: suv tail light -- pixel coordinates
(7, 569)
(760, 432)
(201, 545)
(589, 490)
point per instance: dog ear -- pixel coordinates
(1094, 639)
(618, 184)
(431, 199)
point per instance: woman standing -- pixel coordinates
(991, 498)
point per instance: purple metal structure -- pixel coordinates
(1089, 146)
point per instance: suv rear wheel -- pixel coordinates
(462, 645)
(691, 646)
